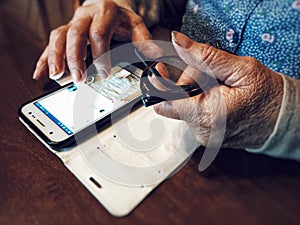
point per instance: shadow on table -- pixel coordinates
(239, 163)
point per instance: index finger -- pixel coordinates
(142, 38)
(77, 37)
(100, 34)
(213, 62)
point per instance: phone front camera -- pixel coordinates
(51, 132)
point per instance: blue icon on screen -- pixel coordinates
(72, 88)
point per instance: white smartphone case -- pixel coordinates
(122, 164)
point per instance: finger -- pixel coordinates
(192, 75)
(41, 68)
(100, 34)
(142, 38)
(189, 76)
(184, 109)
(211, 61)
(76, 43)
(57, 52)
(166, 109)
(157, 81)
(162, 69)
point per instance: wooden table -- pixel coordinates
(35, 187)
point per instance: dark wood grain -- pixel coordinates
(35, 187)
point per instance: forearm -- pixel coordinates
(285, 139)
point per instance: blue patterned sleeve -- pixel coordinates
(268, 31)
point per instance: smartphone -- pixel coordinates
(63, 117)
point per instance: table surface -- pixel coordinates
(36, 188)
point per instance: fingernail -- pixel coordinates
(76, 75)
(181, 40)
(103, 74)
(102, 69)
(173, 34)
(35, 74)
(52, 70)
(56, 76)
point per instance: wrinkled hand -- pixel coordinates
(250, 95)
(94, 23)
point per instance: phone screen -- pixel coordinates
(78, 106)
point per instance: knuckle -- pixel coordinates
(98, 34)
(136, 19)
(74, 63)
(71, 59)
(100, 6)
(209, 53)
(54, 33)
(251, 67)
(107, 5)
(79, 11)
(58, 31)
(75, 31)
(252, 62)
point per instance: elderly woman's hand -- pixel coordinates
(95, 23)
(249, 97)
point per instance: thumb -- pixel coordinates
(209, 60)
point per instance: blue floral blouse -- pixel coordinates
(268, 30)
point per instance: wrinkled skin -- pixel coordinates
(250, 95)
(95, 23)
